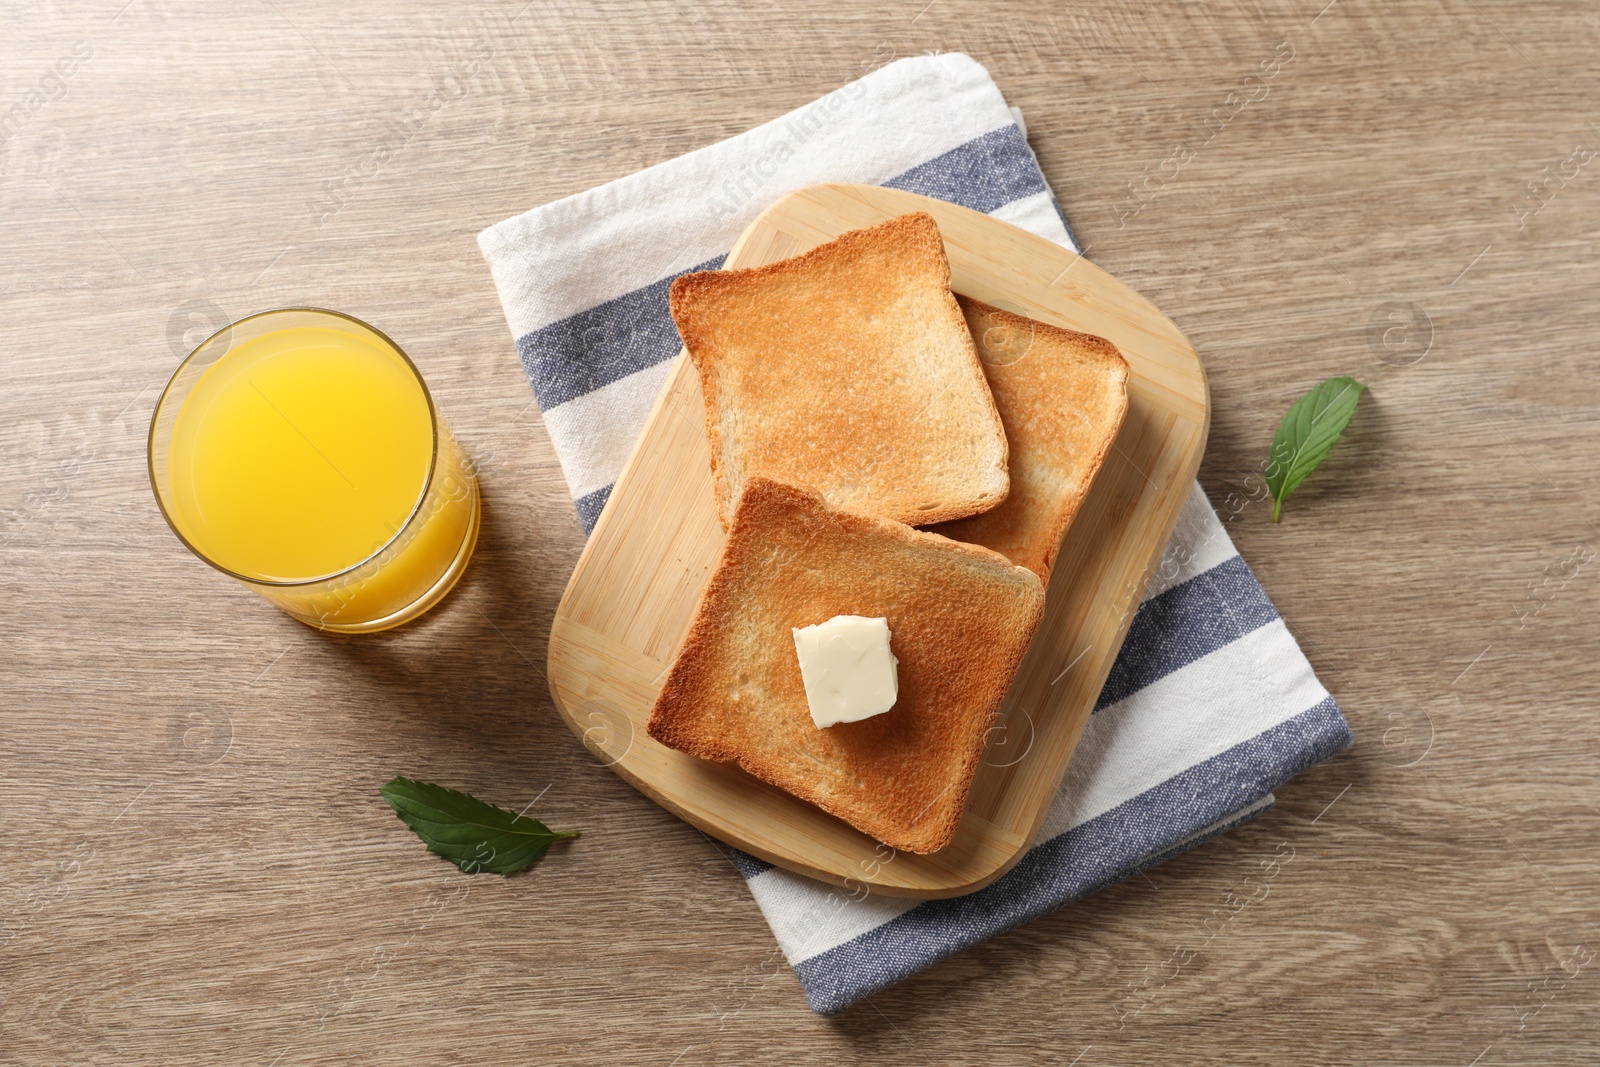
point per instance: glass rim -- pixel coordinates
(422, 496)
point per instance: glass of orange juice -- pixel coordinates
(300, 452)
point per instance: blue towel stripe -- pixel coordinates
(748, 865)
(1249, 815)
(1185, 623)
(984, 174)
(589, 506)
(1101, 852)
(592, 349)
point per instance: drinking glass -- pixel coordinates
(300, 452)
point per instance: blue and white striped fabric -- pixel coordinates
(1210, 705)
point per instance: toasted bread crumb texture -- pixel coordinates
(960, 618)
(848, 368)
(1062, 396)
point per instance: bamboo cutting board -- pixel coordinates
(630, 599)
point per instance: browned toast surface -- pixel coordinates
(1062, 396)
(960, 618)
(848, 368)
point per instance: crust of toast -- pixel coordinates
(849, 368)
(960, 618)
(1062, 396)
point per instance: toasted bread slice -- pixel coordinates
(1062, 396)
(848, 368)
(960, 618)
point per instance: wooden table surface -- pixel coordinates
(196, 865)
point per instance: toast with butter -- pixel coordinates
(1062, 396)
(848, 368)
(960, 618)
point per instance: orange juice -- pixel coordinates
(308, 461)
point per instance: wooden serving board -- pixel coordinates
(630, 599)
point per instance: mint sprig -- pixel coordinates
(1307, 434)
(469, 833)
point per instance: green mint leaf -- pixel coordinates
(469, 833)
(1307, 434)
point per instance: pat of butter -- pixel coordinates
(848, 670)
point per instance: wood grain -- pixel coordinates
(229, 889)
(630, 600)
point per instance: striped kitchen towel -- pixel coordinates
(1210, 705)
